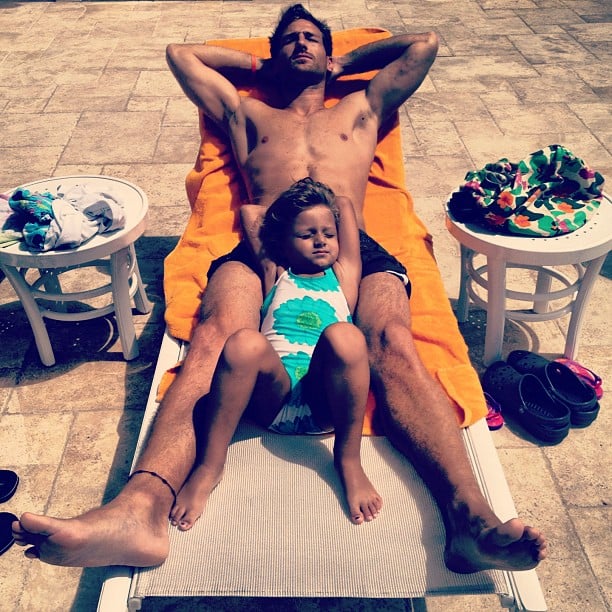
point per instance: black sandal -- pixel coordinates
(563, 385)
(8, 484)
(6, 531)
(524, 397)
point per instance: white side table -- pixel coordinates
(585, 249)
(112, 253)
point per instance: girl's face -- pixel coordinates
(312, 246)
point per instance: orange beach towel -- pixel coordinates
(215, 193)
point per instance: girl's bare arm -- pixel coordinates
(251, 218)
(348, 265)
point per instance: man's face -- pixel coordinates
(302, 50)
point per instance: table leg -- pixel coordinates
(120, 275)
(543, 285)
(463, 300)
(141, 301)
(579, 306)
(22, 289)
(496, 309)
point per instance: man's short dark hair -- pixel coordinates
(291, 14)
(279, 219)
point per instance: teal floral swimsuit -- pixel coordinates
(294, 315)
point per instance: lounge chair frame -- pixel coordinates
(123, 590)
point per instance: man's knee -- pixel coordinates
(391, 339)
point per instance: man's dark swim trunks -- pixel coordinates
(374, 258)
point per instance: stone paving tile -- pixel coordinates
(84, 88)
(537, 49)
(163, 184)
(98, 450)
(176, 143)
(25, 438)
(593, 526)
(52, 130)
(106, 137)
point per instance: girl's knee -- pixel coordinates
(244, 346)
(345, 341)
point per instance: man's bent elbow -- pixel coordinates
(171, 53)
(432, 42)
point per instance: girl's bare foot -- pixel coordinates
(363, 500)
(192, 498)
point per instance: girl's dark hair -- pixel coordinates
(291, 14)
(279, 219)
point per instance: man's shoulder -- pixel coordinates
(257, 107)
(353, 99)
(355, 105)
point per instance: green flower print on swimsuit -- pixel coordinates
(296, 365)
(316, 283)
(303, 320)
(549, 193)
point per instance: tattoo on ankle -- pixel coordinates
(161, 478)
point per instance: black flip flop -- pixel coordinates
(8, 484)
(563, 385)
(6, 531)
(524, 397)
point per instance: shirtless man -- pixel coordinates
(274, 146)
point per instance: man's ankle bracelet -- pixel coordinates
(161, 478)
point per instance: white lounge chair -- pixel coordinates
(276, 527)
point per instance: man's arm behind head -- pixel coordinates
(402, 62)
(204, 73)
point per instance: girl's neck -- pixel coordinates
(307, 274)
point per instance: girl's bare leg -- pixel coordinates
(246, 358)
(340, 359)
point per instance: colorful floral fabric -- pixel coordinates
(549, 193)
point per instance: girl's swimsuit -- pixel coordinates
(294, 315)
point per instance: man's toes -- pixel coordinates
(32, 553)
(507, 533)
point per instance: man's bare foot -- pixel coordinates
(363, 500)
(475, 546)
(120, 533)
(192, 498)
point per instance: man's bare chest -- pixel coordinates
(323, 135)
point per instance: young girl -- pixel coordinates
(306, 371)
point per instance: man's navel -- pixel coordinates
(343, 136)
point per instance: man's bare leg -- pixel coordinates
(133, 528)
(422, 424)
